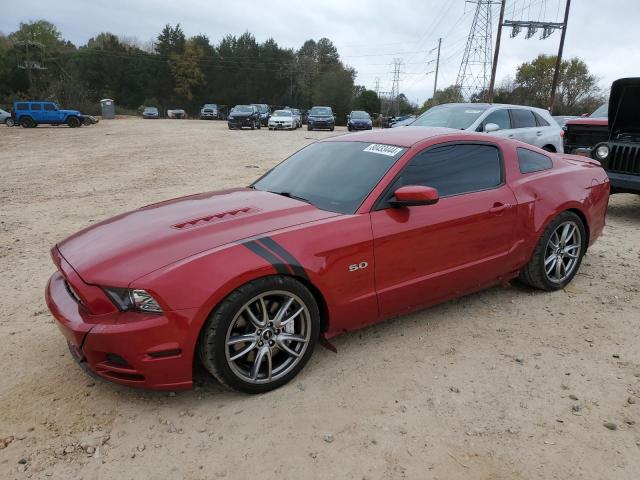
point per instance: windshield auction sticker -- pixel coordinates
(388, 150)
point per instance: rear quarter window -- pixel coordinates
(530, 161)
(540, 120)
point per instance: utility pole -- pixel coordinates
(435, 81)
(28, 64)
(556, 74)
(494, 67)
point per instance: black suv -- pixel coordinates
(620, 155)
(244, 116)
(321, 117)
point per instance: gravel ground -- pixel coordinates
(509, 383)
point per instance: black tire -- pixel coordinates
(331, 129)
(230, 127)
(549, 148)
(74, 122)
(27, 122)
(253, 125)
(10, 122)
(212, 346)
(534, 274)
(309, 128)
(349, 128)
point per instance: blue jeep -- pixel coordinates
(29, 114)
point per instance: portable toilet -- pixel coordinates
(108, 108)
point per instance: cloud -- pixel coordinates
(368, 34)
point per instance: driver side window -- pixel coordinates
(499, 117)
(452, 170)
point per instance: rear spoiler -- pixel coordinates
(581, 159)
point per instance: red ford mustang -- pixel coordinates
(346, 232)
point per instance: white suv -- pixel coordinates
(531, 125)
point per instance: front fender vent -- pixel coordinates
(216, 217)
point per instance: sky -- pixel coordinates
(368, 34)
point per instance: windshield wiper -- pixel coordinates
(291, 195)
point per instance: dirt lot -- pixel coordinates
(506, 384)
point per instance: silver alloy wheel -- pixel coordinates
(268, 336)
(563, 252)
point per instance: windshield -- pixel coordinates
(333, 176)
(360, 115)
(151, 110)
(452, 116)
(321, 111)
(601, 112)
(281, 113)
(242, 109)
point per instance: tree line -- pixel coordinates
(176, 71)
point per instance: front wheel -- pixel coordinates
(557, 257)
(10, 122)
(261, 335)
(73, 122)
(309, 128)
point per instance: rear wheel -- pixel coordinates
(261, 335)
(557, 257)
(27, 122)
(73, 122)
(10, 122)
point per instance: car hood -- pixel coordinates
(624, 105)
(123, 248)
(70, 112)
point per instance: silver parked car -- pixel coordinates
(531, 125)
(4, 116)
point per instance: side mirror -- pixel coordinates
(414, 195)
(491, 127)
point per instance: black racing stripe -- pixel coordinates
(268, 256)
(285, 255)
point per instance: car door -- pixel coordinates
(426, 254)
(524, 125)
(50, 113)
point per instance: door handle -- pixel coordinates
(539, 133)
(499, 207)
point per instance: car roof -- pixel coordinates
(486, 106)
(401, 137)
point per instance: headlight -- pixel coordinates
(231, 117)
(601, 151)
(133, 299)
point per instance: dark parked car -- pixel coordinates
(581, 134)
(620, 153)
(359, 120)
(244, 116)
(265, 113)
(150, 112)
(321, 118)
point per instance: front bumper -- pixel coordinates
(624, 182)
(129, 348)
(360, 126)
(240, 122)
(321, 124)
(281, 126)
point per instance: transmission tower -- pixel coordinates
(395, 87)
(475, 69)
(29, 63)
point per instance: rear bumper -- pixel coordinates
(624, 183)
(134, 349)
